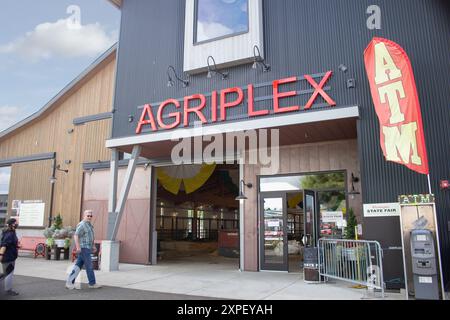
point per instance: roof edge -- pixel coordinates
(116, 3)
(62, 93)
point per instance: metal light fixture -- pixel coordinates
(353, 192)
(350, 83)
(241, 195)
(58, 167)
(53, 178)
(170, 82)
(213, 69)
(342, 67)
(259, 60)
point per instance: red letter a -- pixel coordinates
(151, 121)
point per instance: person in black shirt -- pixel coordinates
(8, 254)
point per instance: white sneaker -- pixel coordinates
(70, 286)
(95, 286)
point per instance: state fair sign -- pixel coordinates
(396, 103)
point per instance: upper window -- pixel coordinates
(217, 19)
(227, 30)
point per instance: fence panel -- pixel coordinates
(356, 261)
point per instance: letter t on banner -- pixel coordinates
(396, 102)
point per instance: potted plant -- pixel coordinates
(60, 237)
(57, 234)
(349, 234)
(355, 253)
(67, 242)
(48, 234)
(50, 242)
(351, 225)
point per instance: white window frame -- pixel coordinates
(227, 51)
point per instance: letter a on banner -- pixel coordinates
(396, 102)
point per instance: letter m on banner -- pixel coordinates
(396, 103)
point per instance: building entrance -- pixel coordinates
(294, 212)
(197, 216)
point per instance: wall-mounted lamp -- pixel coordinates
(53, 178)
(58, 167)
(91, 171)
(241, 190)
(170, 82)
(146, 165)
(343, 68)
(130, 118)
(351, 83)
(259, 60)
(213, 69)
(353, 192)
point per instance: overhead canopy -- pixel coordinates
(331, 130)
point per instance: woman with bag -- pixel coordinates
(8, 254)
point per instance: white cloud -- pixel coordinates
(9, 116)
(206, 31)
(61, 39)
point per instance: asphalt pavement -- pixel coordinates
(32, 288)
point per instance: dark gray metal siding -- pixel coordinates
(304, 37)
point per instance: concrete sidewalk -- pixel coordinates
(217, 278)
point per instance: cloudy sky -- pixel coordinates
(218, 18)
(44, 45)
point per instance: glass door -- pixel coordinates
(311, 257)
(311, 233)
(273, 236)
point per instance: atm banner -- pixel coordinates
(394, 95)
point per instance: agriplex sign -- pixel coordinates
(228, 98)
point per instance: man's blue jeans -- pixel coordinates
(84, 258)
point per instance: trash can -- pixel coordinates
(311, 265)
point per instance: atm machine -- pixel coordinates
(424, 264)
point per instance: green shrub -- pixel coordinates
(351, 224)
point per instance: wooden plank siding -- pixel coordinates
(324, 156)
(50, 133)
(30, 181)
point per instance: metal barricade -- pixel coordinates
(356, 261)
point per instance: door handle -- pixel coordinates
(305, 239)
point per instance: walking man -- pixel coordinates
(8, 254)
(84, 243)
